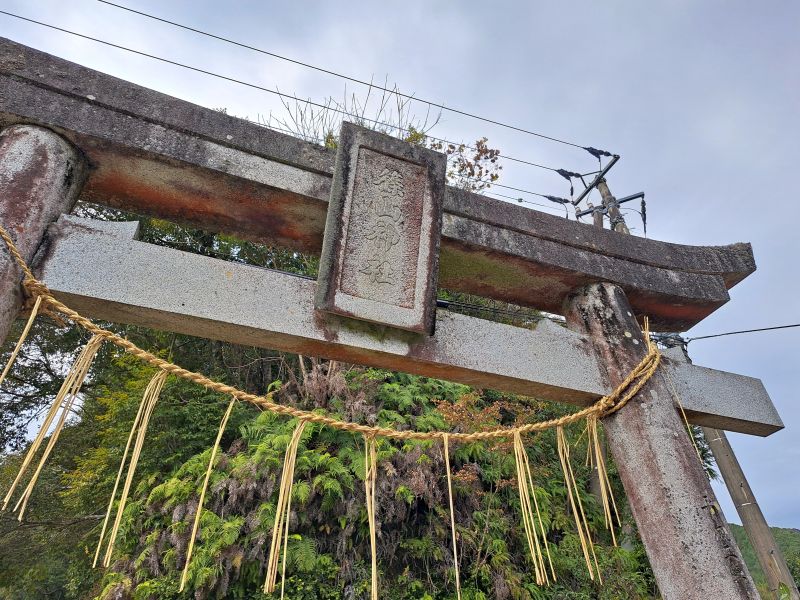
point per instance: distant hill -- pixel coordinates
(788, 541)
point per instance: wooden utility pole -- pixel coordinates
(597, 215)
(755, 525)
(617, 221)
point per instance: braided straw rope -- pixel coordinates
(606, 405)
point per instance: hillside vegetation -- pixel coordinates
(788, 541)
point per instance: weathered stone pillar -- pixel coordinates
(40, 177)
(688, 542)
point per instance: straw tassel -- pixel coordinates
(196, 525)
(63, 402)
(370, 477)
(587, 546)
(606, 493)
(282, 512)
(119, 477)
(445, 441)
(22, 338)
(140, 424)
(531, 514)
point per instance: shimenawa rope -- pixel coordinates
(621, 395)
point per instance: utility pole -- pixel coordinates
(597, 214)
(617, 221)
(755, 525)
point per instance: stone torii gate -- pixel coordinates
(389, 232)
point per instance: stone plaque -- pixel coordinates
(380, 254)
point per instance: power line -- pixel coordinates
(353, 79)
(474, 179)
(555, 199)
(271, 91)
(519, 200)
(705, 337)
(523, 314)
(283, 95)
(199, 70)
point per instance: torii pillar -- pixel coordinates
(687, 539)
(40, 178)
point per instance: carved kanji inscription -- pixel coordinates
(383, 229)
(380, 254)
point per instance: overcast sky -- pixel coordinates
(701, 99)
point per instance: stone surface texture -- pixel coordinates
(40, 178)
(380, 255)
(158, 155)
(688, 542)
(98, 268)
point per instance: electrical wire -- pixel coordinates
(198, 70)
(347, 77)
(474, 179)
(457, 305)
(264, 89)
(516, 189)
(715, 335)
(521, 200)
(288, 96)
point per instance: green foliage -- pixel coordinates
(328, 545)
(788, 541)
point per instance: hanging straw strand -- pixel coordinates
(606, 493)
(538, 513)
(22, 338)
(196, 524)
(121, 469)
(587, 546)
(63, 402)
(445, 442)
(280, 529)
(370, 477)
(149, 400)
(526, 490)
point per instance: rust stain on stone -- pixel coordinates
(19, 213)
(223, 204)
